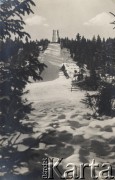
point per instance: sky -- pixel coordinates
(87, 17)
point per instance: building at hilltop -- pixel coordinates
(55, 36)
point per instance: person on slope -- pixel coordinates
(75, 75)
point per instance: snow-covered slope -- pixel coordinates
(64, 126)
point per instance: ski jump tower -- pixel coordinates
(55, 37)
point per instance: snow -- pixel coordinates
(63, 123)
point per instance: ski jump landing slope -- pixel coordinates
(52, 58)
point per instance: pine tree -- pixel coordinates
(19, 62)
(10, 9)
(78, 37)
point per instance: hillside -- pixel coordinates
(63, 126)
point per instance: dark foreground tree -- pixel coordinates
(10, 9)
(102, 102)
(18, 64)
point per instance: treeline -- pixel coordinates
(98, 54)
(11, 47)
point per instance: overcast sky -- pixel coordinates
(88, 17)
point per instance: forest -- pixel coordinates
(98, 56)
(19, 63)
